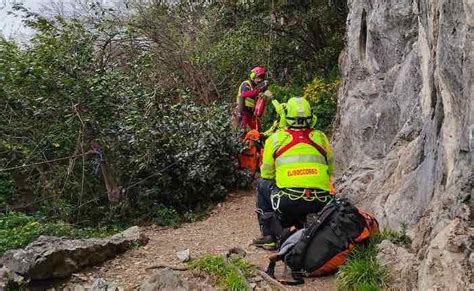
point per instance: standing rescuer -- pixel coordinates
(246, 98)
(295, 174)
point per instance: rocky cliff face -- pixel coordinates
(402, 139)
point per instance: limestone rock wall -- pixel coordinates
(406, 110)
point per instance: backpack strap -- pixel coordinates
(324, 214)
(300, 136)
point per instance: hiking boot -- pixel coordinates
(266, 242)
(264, 239)
(270, 246)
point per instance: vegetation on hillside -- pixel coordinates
(112, 117)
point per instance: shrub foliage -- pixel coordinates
(122, 116)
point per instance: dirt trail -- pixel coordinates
(230, 224)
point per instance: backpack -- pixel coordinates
(323, 245)
(251, 157)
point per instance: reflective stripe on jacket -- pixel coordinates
(249, 101)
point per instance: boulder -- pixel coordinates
(446, 265)
(401, 264)
(7, 278)
(4, 278)
(51, 257)
(100, 285)
(402, 138)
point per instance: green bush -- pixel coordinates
(180, 152)
(191, 155)
(283, 93)
(322, 94)
(233, 55)
(190, 216)
(165, 216)
(7, 189)
(143, 88)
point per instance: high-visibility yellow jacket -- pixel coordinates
(249, 100)
(301, 165)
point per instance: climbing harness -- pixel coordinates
(295, 194)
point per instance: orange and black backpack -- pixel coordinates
(323, 245)
(251, 157)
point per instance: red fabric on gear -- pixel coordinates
(250, 158)
(250, 94)
(259, 106)
(248, 119)
(332, 265)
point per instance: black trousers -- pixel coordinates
(288, 212)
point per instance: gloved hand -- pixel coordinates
(270, 131)
(278, 107)
(263, 86)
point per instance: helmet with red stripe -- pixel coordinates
(257, 72)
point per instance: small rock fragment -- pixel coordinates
(184, 256)
(236, 251)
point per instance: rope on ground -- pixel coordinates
(163, 266)
(47, 162)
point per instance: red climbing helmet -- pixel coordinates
(257, 72)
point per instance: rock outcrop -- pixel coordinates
(402, 264)
(51, 257)
(406, 116)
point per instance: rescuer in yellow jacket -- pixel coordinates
(295, 174)
(247, 98)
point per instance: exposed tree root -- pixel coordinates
(271, 281)
(164, 266)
